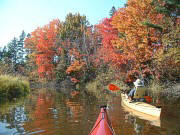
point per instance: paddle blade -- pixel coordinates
(148, 99)
(113, 87)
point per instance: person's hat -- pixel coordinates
(138, 82)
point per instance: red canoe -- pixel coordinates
(102, 125)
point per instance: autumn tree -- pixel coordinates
(31, 51)
(58, 46)
(44, 48)
(73, 33)
(76, 43)
(136, 41)
(108, 33)
(167, 60)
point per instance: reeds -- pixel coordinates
(13, 87)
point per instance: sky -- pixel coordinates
(27, 15)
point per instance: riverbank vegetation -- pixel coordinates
(13, 87)
(140, 39)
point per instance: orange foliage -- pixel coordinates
(136, 42)
(108, 34)
(137, 39)
(74, 93)
(75, 108)
(43, 42)
(74, 80)
(75, 53)
(76, 66)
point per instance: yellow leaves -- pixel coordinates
(172, 54)
(140, 46)
(168, 62)
(136, 44)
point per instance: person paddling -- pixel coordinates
(137, 83)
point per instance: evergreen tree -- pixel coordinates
(4, 53)
(1, 53)
(112, 11)
(21, 49)
(12, 52)
(168, 7)
(73, 31)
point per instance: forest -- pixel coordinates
(140, 39)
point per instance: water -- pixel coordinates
(51, 113)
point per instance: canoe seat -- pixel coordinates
(140, 92)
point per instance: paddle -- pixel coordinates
(148, 99)
(113, 88)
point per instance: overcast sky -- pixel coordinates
(27, 15)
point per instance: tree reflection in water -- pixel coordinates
(50, 113)
(136, 122)
(13, 119)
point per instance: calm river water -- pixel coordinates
(51, 113)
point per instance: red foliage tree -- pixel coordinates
(44, 47)
(108, 52)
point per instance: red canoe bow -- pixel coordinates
(102, 125)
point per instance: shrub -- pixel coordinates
(13, 87)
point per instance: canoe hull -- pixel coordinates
(141, 107)
(155, 121)
(102, 125)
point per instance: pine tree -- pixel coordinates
(21, 50)
(112, 11)
(168, 7)
(1, 53)
(12, 52)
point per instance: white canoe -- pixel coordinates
(141, 107)
(153, 120)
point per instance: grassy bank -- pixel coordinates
(166, 92)
(13, 87)
(100, 84)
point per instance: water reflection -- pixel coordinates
(151, 119)
(51, 113)
(12, 119)
(41, 117)
(137, 123)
